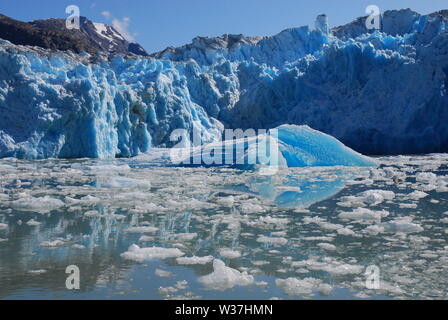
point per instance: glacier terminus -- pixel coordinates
(380, 92)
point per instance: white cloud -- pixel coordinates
(106, 14)
(122, 26)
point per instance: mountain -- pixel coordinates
(382, 92)
(52, 34)
(22, 33)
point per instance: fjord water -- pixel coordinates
(317, 228)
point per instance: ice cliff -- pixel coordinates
(381, 92)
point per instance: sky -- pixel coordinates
(157, 24)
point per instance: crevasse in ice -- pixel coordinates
(378, 92)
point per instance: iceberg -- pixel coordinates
(302, 146)
(223, 277)
(284, 146)
(378, 92)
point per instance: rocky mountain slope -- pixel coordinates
(52, 34)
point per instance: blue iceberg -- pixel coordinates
(302, 146)
(284, 146)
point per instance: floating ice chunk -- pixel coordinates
(142, 230)
(370, 197)
(346, 232)
(109, 169)
(260, 263)
(123, 182)
(375, 197)
(147, 208)
(6, 167)
(89, 199)
(223, 277)
(327, 246)
(408, 205)
(53, 244)
(92, 213)
(4, 197)
(374, 230)
(404, 225)
(325, 289)
(299, 287)
(226, 201)
(279, 234)
(186, 236)
(429, 255)
(229, 253)
(391, 288)
(37, 272)
(337, 268)
(322, 238)
(40, 205)
(364, 214)
(163, 273)
(268, 220)
(182, 285)
(426, 177)
(3, 226)
(78, 246)
(330, 226)
(146, 239)
(351, 202)
(194, 260)
(248, 208)
(261, 284)
(316, 220)
(141, 254)
(361, 295)
(417, 195)
(442, 188)
(273, 240)
(165, 291)
(32, 222)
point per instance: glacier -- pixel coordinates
(378, 92)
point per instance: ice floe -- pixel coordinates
(223, 277)
(141, 254)
(37, 204)
(194, 260)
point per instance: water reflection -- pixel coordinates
(299, 190)
(272, 227)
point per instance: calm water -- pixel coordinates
(219, 233)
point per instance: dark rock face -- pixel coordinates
(22, 33)
(137, 49)
(53, 34)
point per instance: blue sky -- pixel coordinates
(157, 24)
